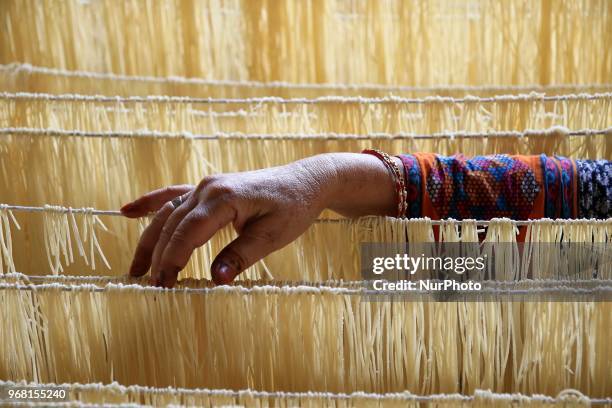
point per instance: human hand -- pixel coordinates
(268, 208)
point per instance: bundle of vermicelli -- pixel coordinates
(58, 233)
(325, 114)
(28, 78)
(231, 85)
(6, 241)
(109, 171)
(241, 338)
(61, 230)
(390, 42)
(190, 157)
(96, 393)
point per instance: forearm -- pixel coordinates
(354, 184)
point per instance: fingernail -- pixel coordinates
(168, 278)
(222, 273)
(153, 281)
(129, 207)
(136, 269)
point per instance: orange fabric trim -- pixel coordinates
(426, 162)
(574, 186)
(538, 209)
(535, 165)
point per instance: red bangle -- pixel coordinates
(398, 179)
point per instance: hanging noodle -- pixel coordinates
(336, 339)
(28, 78)
(7, 264)
(109, 168)
(97, 393)
(318, 255)
(60, 229)
(325, 114)
(335, 41)
(234, 85)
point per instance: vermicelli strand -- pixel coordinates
(322, 115)
(318, 251)
(7, 218)
(98, 393)
(534, 96)
(27, 78)
(251, 321)
(102, 101)
(312, 42)
(289, 136)
(104, 169)
(60, 229)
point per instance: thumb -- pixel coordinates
(253, 244)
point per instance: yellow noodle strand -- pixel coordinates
(238, 339)
(382, 42)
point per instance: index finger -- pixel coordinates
(154, 200)
(194, 230)
(144, 251)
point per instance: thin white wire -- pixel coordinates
(116, 213)
(533, 96)
(19, 67)
(291, 136)
(407, 396)
(604, 289)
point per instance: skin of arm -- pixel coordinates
(268, 208)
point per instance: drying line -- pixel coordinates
(563, 396)
(556, 130)
(19, 68)
(533, 96)
(93, 211)
(269, 289)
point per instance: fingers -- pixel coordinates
(148, 239)
(154, 200)
(193, 230)
(255, 242)
(166, 233)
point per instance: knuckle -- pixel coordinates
(267, 237)
(162, 213)
(206, 181)
(166, 230)
(179, 239)
(168, 190)
(166, 207)
(220, 191)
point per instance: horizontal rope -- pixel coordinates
(61, 209)
(283, 101)
(291, 136)
(89, 287)
(606, 288)
(353, 284)
(19, 68)
(564, 396)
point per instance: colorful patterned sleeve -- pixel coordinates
(517, 187)
(594, 188)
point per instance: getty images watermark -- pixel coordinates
(406, 264)
(487, 271)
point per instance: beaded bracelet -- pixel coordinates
(398, 179)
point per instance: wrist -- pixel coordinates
(358, 184)
(321, 174)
